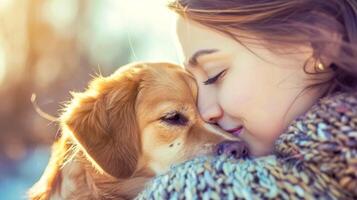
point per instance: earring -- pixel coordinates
(320, 66)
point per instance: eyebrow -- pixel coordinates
(193, 60)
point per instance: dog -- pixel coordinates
(125, 129)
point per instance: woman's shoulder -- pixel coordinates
(338, 103)
(333, 108)
(332, 117)
(325, 136)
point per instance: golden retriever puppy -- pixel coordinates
(123, 130)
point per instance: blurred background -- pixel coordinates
(51, 47)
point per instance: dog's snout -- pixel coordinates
(237, 149)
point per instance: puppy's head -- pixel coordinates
(144, 116)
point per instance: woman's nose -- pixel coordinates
(209, 109)
(211, 114)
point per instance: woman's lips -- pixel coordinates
(236, 131)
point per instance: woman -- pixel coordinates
(263, 68)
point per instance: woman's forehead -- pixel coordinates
(188, 30)
(197, 40)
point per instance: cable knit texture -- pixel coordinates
(316, 158)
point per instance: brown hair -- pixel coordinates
(288, 22)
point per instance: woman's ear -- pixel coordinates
(331, 49)
(103, 121)
(327, 39)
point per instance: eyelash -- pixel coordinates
(215, 78)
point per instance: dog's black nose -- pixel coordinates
(237, 149)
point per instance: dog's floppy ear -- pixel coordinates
(103, 120)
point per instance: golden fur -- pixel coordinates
(123, 130)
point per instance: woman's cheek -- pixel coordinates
(242, 105)
(233, 99)
(269, 130)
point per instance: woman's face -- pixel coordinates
(252, 95)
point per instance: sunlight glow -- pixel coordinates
(143, 30)
(4, 4)
(60, 13)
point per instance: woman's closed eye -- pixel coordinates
(214, 78)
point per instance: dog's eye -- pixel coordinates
(175, 118)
